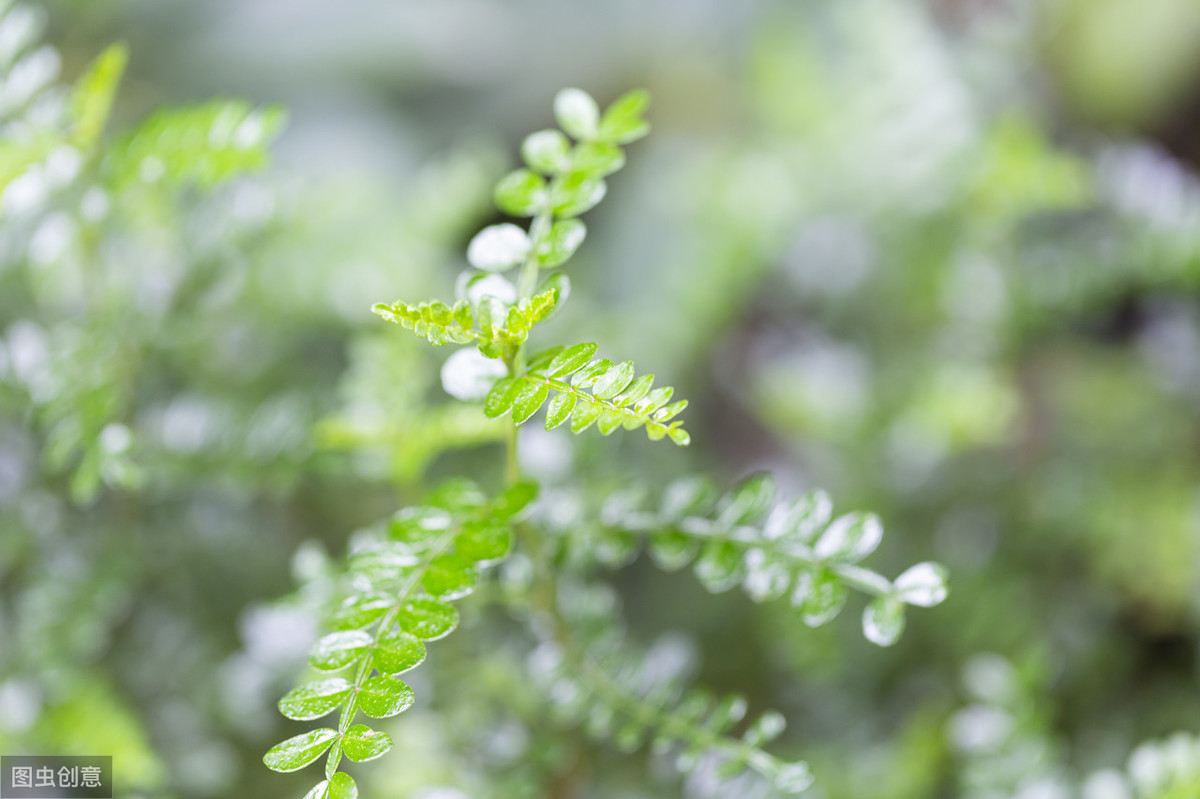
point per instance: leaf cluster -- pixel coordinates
(401, 588)
(794, 549)
(587, 391)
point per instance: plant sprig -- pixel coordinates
(401, 585)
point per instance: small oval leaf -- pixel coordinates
(398, 652)
(315, 699)
(338, 650)
(383, 696)
(361, 743)
(427, 618)
(296, 753)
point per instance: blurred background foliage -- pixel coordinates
(937, 257)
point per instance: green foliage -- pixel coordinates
(401, 583)
(204, 144)
(772, 549)
(598, 392)
(563, 181)
(497, 331)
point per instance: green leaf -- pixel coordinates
(793, 778)
(521, 193)
(498, 247)
(500, 399)
(420, 525)
(679, 436)
(586, 412)
(748, 501)
(560, 242)
(457, 495)
(560, 408)
(338, 650)
(767, 578)
(673, 550)
(571, 360)
(547, 151)
(614, 381)
(575, 193)
(92, 98)
(819, 597)
(597, 158)
(622, 121)
(484, 541)
(204, 144)
(397, 652)
(361, 743)
(296, 753)
(531, 396)
(850, 538)
(427, 619)
(560, 284)
(883, 620)
(360, 610)
(341, 786)
(577, 113)
(315, 699)
(687, 496)
(923, 585)
(514, 500)
(383, 696)
(450, 576)
(801, 519)
(720, 566)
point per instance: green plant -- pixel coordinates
(400, 578)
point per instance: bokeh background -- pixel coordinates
(939, 258)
